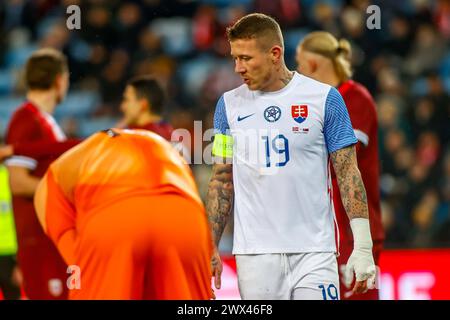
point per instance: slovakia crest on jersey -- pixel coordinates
(299, 113)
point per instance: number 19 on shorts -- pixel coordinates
(329, 292)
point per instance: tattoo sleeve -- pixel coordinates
(351, 187)
(219, 199)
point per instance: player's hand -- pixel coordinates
(6, 151)
(361, 261)
(362, 265)
(216, 268)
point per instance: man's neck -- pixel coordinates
(43, 100)
(330, 78)
(281, 79)
(147, 119)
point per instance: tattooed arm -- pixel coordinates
(219, 203)
(354, 199)
(351, 187)
(219, 199)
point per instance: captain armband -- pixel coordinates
(223, 146)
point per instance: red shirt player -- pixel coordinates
(34, 132)
(142, 106)
(362, 111)
(324, 58)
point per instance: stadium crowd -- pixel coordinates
(405, 64)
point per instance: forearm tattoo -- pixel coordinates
(219, 199)
(351, 187)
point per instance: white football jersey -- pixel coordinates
(282, 185)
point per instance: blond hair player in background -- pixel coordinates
(322, 57)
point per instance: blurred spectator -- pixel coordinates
(443, 212)
(401, 36)
(427, 50)
(114, 76)
(287, 12)
(394, 229)
(428, 149)
(442, 17)
(97, 28)
(128, 25)
(204, 26)
(423, 217)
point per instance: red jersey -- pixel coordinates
(44, 271)
(44, 148)
(28, 124)
(363, 116)
(162, 128)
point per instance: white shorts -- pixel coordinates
(288, 276)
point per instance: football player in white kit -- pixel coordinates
(274, 137)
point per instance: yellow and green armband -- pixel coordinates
(223, 146)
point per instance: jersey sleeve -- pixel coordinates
(338, 130)
(22, 129)
(223, 141)
(361, 109)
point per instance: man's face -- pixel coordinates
(252, 63)
(131, 105)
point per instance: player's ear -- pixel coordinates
(145, 105)
(312, 65)
(276, 53)
(58, 82)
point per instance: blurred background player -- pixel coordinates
(142, 106)
(47, 80)
(322, 57)
(284, 238)
(124, 207)
(9, 271)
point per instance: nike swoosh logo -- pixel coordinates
(242, 118)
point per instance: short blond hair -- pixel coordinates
(256, 26)
(338, 51)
